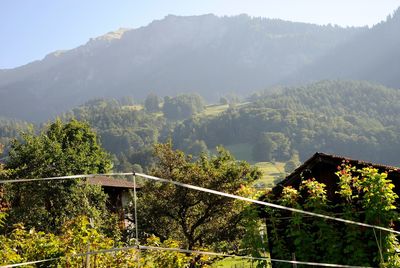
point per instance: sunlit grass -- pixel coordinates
(232, 262)
(214, 110)
(270, 170)
(136, 107)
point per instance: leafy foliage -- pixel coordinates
(9, 130)
(62, 149)
(152, 103)
(77, 236)
(182, 106)
(196, 218)
(173, 259)
(128, 134)
(365, 196)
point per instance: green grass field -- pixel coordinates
(241, 151)
(136, 107)
(214, 109)
(270, 170)
(210, 110)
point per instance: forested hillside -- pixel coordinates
(356, 119)
(351, 118)
(205, 54)
(9, 130)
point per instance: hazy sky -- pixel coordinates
(30, 29)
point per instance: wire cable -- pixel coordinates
(104, 251)
(251, 258)
(136, 220)
(212, 192)
(66, 177)
(266, 203)
(198, 252)
(28, 263)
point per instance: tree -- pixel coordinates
(293, 163)
(127, 101)
(263, 148)
(61, 149)
(223, 101)
(193, 147)
(271, 146)
(152, 103)
(194, 217)
(182, 106)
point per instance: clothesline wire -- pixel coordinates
(189, 186)
(267, 204)
(137, 246)
(194, 252)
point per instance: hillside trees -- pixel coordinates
(9, 130)
(152, 103)
(182, 106)
(352, 118)
(293, 163)
(128, 134)
(61, 149)
(271, 146)
(198, 219)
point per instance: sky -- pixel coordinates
(31, 29)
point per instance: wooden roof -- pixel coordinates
(333, 160)
(111, 182)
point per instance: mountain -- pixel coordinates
(205, 54)
(372, 55)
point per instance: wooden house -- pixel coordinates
(321, 167)
(120, 195)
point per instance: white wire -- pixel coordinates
(191, 252)
(66, 177)
(251, 258)
(266, 203)
(27, 263)
(209, 191)
(203, 190)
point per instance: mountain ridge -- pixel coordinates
(206, 54)
(371, 55)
